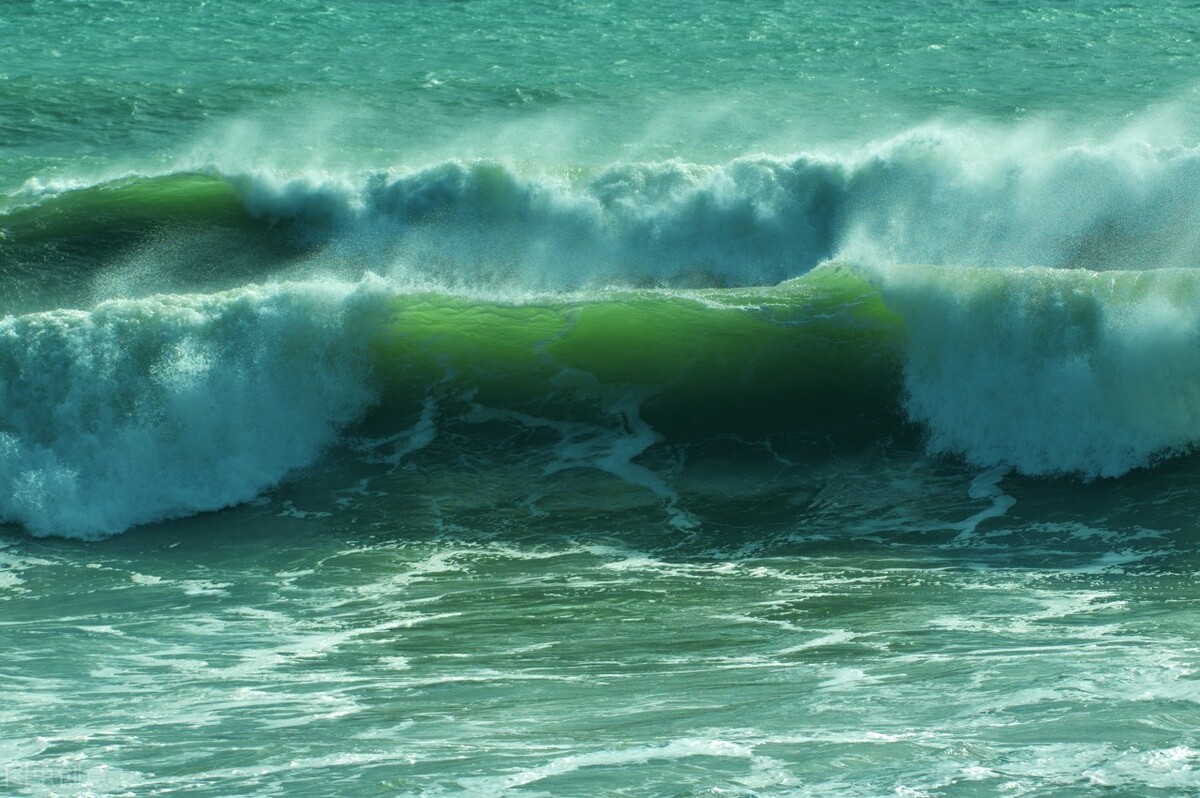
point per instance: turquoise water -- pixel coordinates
(574, 399)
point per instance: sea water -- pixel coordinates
(572, 399)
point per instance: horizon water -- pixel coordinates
(571, 399)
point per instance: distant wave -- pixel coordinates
(933, 196)
(130, 204)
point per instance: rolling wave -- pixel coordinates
(139, 410)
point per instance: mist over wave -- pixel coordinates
(934, 195)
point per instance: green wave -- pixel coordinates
(205, 399)
(805, 353)
(1050, 371)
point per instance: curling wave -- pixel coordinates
(140, 410)
(1019, 304)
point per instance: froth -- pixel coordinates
(1051, 371)
(162, 407)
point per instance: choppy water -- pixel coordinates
(560, 399)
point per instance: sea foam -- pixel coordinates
(140, 410)
(1052, 371)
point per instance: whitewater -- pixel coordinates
(577, 399)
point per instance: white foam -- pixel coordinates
(422, 433)
(140, 410)
(613, 758)
(1051, 371)
(985, 485)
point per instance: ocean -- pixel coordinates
(563, 398)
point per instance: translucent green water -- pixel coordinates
(577, 399)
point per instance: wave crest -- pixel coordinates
(932, 196)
